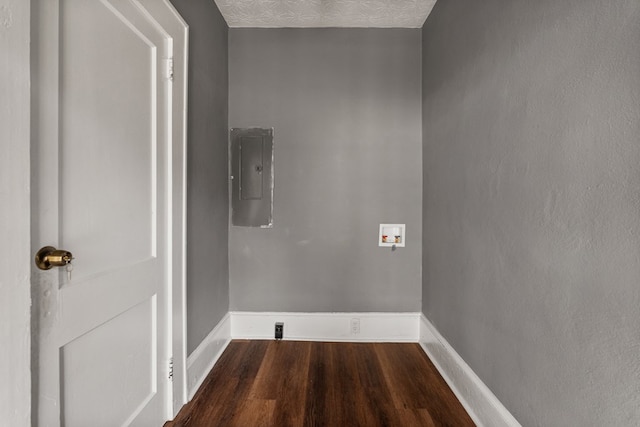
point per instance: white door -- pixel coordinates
(104, 162)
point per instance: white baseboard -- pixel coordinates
(201, 361)
(482, 405)
(374, 327)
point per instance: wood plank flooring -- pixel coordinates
(290, 383)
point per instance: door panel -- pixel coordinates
(130, 369)
(103, 165)
(111, 141)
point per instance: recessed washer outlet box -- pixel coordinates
(392, 235)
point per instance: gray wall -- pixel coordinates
(207, 201)
(532, 202)
(345, 105)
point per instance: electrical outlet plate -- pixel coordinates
(355, 326)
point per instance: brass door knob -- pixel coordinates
(49, 256)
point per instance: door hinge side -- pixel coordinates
(171, 369)
(169, 69)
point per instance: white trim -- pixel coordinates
(482, 405)
(203, 358)
(176, 30)
(374, 327)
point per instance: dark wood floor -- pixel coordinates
(289, 383)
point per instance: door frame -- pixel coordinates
(19, 214)
(178, 29)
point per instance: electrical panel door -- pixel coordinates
(252, 177)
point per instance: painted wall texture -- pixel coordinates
(15, 255)
(207, 199)
(345, 106)
(531, 202)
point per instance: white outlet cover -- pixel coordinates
(355, 326)
(390, 235)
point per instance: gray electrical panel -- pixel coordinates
(252, 177)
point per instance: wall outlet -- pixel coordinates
(355, 326)
(279, 330)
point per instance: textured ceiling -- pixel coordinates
(325, 13)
